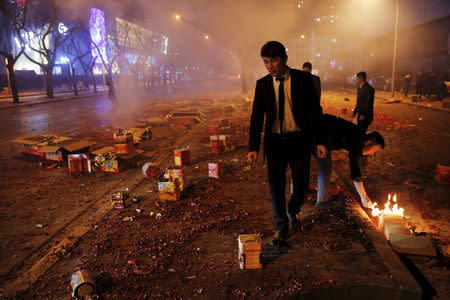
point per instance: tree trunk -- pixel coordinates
(74, 81)
(12, 78)
(49, 82)
(94, 83)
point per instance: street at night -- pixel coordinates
(168, 152)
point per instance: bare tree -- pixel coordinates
(43, 35)
(78, 48)
(13, 16)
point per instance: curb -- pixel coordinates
(33, 94)
(405, 285)
(22, 104)
(417, 105)
(427, 107)
(403, 102)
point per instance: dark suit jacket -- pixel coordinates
(316, 80)
(364, 102)
(305, 105)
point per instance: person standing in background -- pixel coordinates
(363, 111)
(406, 84)
(307, 67)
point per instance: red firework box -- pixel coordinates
(169, 190)
(120, 199)
(223, 138)
(443, 174)
(182, 157)
(175, 174)
(123, 144)
(79, 163)
(213, 130)
(215, 170)
(224, 122)
(217, 144)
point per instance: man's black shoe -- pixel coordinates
(280, 237)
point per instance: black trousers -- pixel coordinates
(282, 150)
(364, 125)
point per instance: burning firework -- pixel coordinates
(395, 210)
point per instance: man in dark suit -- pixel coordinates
(363, 112)
(307, 67)
(287, 99)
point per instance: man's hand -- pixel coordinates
(321, 151)
(361, 117)
(365, 200)
(251, 157)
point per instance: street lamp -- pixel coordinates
(206, 37)
(177, 17)
(394, 58)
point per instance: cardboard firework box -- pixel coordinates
(250, 248)
(169, 190)
(213, 130)
(182, 157)
(112, 163)
(120, 199)
(217, 146)
(79, 163)
(223, 138)
(224, 122)
(215, 170)
(123, 144)
(176, 174)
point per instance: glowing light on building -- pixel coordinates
(165, 44)
(63, 60)
(98, 35)
(333, 63)
(62, 28)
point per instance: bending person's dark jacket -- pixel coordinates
(342, 134)
(316, 80)
(305, 107)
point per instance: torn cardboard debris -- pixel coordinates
(52, 147)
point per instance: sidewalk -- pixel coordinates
(385, 95)
(34, 98)
(435, 105)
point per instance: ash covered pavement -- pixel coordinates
(188, 248)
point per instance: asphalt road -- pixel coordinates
(57, 118)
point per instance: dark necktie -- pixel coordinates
(281, 102)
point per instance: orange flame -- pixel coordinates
(395, 210)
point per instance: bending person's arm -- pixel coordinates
(359, 185)
(355, 171)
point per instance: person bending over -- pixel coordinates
(342, 134)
